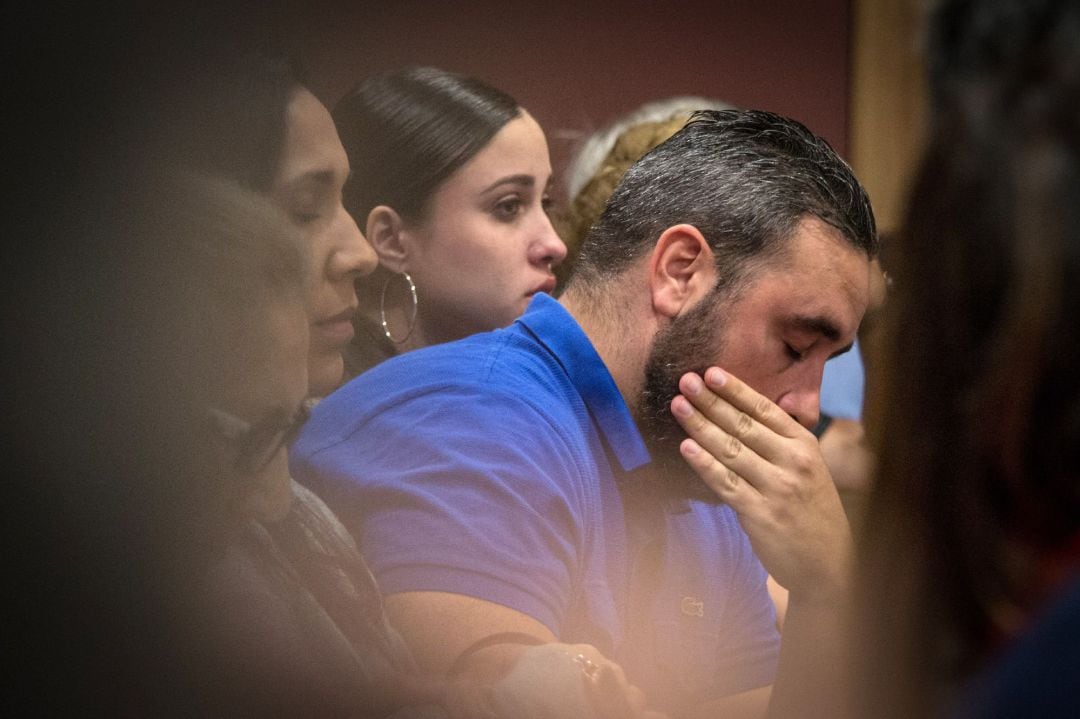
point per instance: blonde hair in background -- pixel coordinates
(597, 146)
(606, 156)
(589, 203)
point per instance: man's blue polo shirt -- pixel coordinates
(491, 467)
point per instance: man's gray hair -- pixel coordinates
(744, 178)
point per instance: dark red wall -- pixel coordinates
(576, 66)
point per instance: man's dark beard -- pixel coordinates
(689, 344)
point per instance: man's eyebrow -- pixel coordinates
(816, 325)
(822, 326)
(527, 180)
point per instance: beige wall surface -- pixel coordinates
(888, 103)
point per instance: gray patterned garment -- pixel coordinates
(297, 623)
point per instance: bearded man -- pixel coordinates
(588, 475)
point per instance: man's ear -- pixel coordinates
(681, 270)
(387, 234)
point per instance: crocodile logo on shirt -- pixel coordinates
(692, 607)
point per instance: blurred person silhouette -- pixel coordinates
(267, 607)
(970, 591)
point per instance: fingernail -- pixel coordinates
(715, 377)
(692, 384)
(690, 447)
(680, 407)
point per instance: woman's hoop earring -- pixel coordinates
(382, 309)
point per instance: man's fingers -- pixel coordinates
(718, 413)
(724, 447)
(758, 407)
(729, 485)
(731, 405)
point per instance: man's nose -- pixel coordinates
(804, 405)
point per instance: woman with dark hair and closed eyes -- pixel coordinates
(253, 121)
(285, 610)
(275, 612)
(450, 181)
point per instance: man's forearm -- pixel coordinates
(813, 658)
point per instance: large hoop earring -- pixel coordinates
(382, 309)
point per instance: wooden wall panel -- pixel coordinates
(888, 104)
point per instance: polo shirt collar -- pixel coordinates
(556, 329)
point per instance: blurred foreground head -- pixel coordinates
(978, 500)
